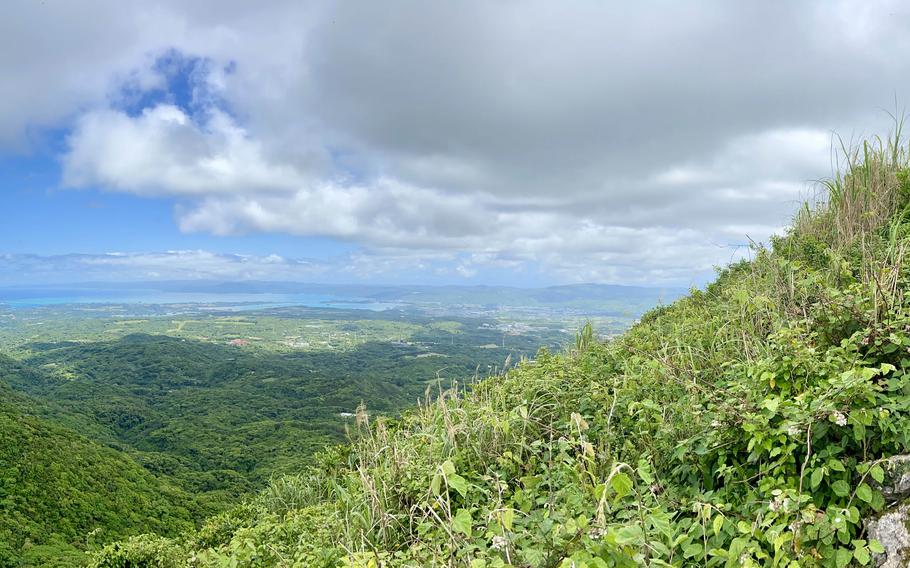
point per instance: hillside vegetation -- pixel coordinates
(219, 421)
(172, 430)
(743, 425)
(61, 492)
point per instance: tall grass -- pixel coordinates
(863, 194)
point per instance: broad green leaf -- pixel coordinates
(718, 524)
(582, 521)
(864, 492)
(842, 557)
(817, 475)
(660, 547)
(693, 550)
(458, 483)
(630, 535)
(878, 501)
(508, 516)
(661, 522)
(621, 484)
(852, 515)
(462, 522)
(771, 404)
(840, 488)
(877, 473)
(876, 547)
(644, 472)
(737, 546)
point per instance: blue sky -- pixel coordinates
(51, 219)
(468, 142)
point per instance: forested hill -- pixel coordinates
(752, 423)
(174, 429)
(60, 492)
(220, 420)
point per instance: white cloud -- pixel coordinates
(163, 151)
(167, 265)
(228, 187)
(602, 141)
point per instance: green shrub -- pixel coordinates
(140, 552)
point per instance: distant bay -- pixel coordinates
(44, 296)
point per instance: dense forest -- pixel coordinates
(61, 493)
(752, 423)
(148, 432)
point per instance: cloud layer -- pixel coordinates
(601, 141)
(169, 265)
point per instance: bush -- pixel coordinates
(140, 552)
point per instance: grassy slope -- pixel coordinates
(740, 426)
(61, 493)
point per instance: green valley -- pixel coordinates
(125, 419)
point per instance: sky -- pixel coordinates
(470, 142)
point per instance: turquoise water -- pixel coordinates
(22, 298)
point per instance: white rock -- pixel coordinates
(890, 530)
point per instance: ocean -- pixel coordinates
(40, 297)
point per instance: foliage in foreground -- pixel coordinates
(743, 425)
